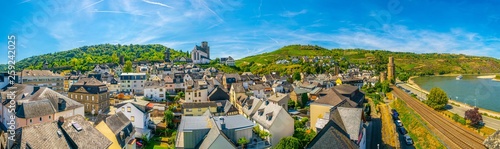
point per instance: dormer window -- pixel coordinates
(269, 116)
(261, 112)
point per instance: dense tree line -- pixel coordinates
(84, 58)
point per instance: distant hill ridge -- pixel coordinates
(84, 58)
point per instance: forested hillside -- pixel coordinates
(84, 58)
(406, 62)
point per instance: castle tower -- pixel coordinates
(382, 76)
(390, 69)
(167, 55)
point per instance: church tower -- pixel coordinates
(204, 45)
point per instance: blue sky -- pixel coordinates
(242, 28)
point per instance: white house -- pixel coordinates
(274, 119)
(138, 112)
(101, 69)
(113, 86)
(230, 61)
(155, 90)
(201, 54)
(196, 91)
(132, 82)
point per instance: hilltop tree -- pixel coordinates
(474, 116)
(437, 99)
(304, 99)
(114, 58)
(128, 66)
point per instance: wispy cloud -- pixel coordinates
(293, 14)
(157, 3)
(90, 5)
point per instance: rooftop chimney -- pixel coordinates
(222, 124)
(60, 121)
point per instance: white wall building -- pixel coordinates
(201, 54)
(133, 82)
(138, 114)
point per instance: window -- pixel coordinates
(31, 121)
(161, 95)
(132, 118)
(92, 98)
(87, 97)
(199, 94)
(40, 119)
(50, 117)
(161, 90)
(81, 97)
(195, 95)
(123, 109)
(128, 109)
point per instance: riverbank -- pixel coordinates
(412, 84)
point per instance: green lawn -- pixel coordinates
(155, 143)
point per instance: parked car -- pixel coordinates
(399, 123)
(395, 112)
(402, 130)
(408, 140)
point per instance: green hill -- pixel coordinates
(411, 63)
(84, 58)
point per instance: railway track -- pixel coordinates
(460, 137)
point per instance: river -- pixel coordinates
(484, 93)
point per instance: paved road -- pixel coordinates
(453, 135)
(375, 133)
(460, 110)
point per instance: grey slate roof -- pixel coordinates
(233, 121)
(213, 136)
(41, 102)
(120, 124)
(45, 135)
(330, 97)
(218, 94)
(88, 137)
(33, 135)
(331, 137)
(351, 117)
(199, 104)
(91, 85)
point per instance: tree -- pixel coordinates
(296, 76)
(114, 58)
(291, 104)
(288, 142)
(181, 94)
(474, 116)
(120, 96)
(242, 141)
(128, 66)
(168, 117)
(304, 99)
(437, 99)
(403, 77)
(304, 136)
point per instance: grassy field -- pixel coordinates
(416, 127)
(389, 134)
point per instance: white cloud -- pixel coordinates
(157, 3)
(293, 14)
